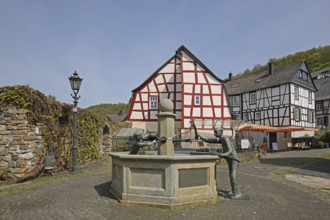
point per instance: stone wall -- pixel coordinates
(21, 144)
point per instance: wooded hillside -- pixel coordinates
(316, 58)
(106, 109)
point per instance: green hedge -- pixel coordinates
(58, 136)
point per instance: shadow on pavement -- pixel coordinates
(304, 163)
(104, 190)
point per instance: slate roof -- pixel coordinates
(117, 117)
(280, 76)
(320, 72)
(322, 84)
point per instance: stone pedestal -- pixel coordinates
(163, 181)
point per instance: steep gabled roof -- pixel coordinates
(280, 76)
(322, 84)
(184, 49)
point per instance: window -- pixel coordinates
(236, 101)
(305, 76)
(310, 116)
(285, 135)
(296, 114)
(153, 102)
(319, 106)
(237, 116)
(319, 121)
(253, 98)
(197, 100)
(326, 121)
(245, 117)
(301, 74)
(309, 97)
(257, 116)
(296, 93)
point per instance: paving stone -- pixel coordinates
(267, 195)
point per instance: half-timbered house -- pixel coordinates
(280, 97)
(322, 97)
(197, 94)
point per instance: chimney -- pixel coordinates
(270, 68)
(230, 76)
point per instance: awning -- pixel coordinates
(260, 128)
(293, 128)
(264, 128)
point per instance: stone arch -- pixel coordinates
(106, 130)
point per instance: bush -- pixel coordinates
(320, 144)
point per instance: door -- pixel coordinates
(272, 139)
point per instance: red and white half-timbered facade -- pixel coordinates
(196, 92)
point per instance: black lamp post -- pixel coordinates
(75, 82)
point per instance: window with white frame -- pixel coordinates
(253, 98)
(235, 101)
(309, 97)
(319, 106)
(296, 93)
(153, 102)
(197, 100)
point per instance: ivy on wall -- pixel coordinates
(57, 123)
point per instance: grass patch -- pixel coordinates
(326, 155)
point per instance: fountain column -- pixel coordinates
(166, 120)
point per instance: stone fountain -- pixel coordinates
(165, 180)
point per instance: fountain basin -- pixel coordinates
(163, 180)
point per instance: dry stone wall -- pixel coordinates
(21, 144)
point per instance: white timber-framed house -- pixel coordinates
(196, 92)
(282, 97)
(322, 99)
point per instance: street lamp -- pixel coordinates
(75, 82)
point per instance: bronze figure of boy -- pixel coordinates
(140, 142)
(230, 155)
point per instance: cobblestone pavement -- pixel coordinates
(267, 194)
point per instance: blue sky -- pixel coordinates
(115, 45)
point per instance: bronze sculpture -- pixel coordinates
(141, 141)
(229, 154)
